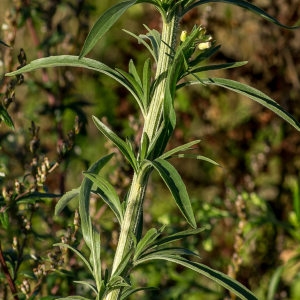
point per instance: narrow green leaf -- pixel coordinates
(202, 56)
(74, 61)
(220, 278)
(67, 61)
(122, 266)
(103, 24)
(196, 156)
(176, 186)
(146, 82)
(246, 5)
(122, 146)
(91, 237)
(179, 235)
(65, 199)
(135, 86)
(90, 286)
(148, 239)
(180, 148)
(78, 253)
(142, 41)
(107, 193)
(144, 147)
(171, 251)
(5, 117)
(155, 40)
(133, 71)
(253, 94)
(218, 67)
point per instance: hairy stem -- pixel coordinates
(152, 122)
(154, 115)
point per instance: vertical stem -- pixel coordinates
(168, 38)
(152, 122)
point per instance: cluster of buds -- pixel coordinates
(204, 40)
(39, 172)
(55, 258)
(25, 288)
(40, 271)
(42, 171)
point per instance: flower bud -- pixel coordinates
(183, 35)
(204, 46)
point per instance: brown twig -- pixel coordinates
(9, 279)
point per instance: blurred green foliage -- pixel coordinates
(251, 204)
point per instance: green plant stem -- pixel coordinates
(152, 122)
(154, 115)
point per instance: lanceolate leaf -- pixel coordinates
(196, 156)
(78, 253)
(74, 61)
(180, 148)
(177, 188)
(87, 284)
(65, 199)
(218, 67)
(103, 24)
(146, 82)
(251, 93)
(243, 4)
(142, 41)
(123, 146)
(107, 193)
(91, 237)
(220, 278)
(148, 239)
(5, 117)
(178, 236)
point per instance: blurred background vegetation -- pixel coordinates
(251, 205)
